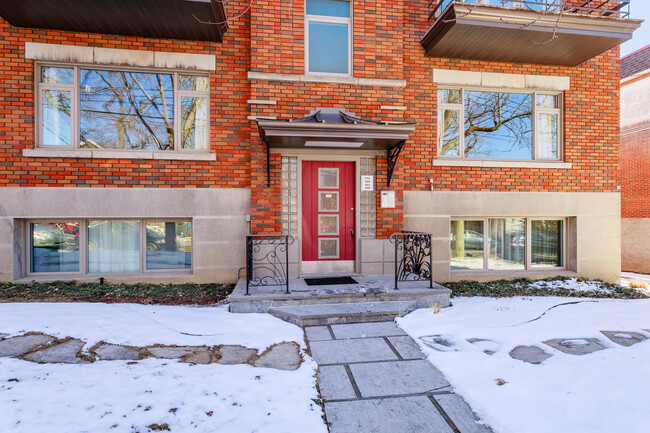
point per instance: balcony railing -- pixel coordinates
(606, 8)
(412, 257)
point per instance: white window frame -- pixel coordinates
(334, 20)
(460, 107)
(528, 265)
(76, 105)
(83, 248)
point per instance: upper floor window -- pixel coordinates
(93, 108)
(484, 124)
(328, 36)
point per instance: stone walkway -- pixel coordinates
(45, 349)
(374, 379)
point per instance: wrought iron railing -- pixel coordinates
(613, 8)
(413, 260)
(267, 260)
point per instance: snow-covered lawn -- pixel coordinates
(605, 391)
(125, 396)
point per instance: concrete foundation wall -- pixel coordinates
(218, 231)
(635, 255)
(593, 244)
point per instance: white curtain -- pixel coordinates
(113, 246)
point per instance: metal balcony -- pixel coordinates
(531, 31)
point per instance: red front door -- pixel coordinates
(328, 232)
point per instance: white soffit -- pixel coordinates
(450, 77)
(119, 57)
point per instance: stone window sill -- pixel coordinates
(118, 154)
(483, 275)
(501, 164)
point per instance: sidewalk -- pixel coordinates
(374, 378)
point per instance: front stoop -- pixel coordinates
(330, 314)
(370, 290)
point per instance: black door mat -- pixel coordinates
(330, 281)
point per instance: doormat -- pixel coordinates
(330, 281)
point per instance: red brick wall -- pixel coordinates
(389, 47)
(635, 171)
(228, 116)
(386, 40)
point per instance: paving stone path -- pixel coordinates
(374, 379)
(41, 348)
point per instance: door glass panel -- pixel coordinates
(328, 225)
(328, 201)
(328, 248)
(328, 177)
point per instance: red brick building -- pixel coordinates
(635, 161)
(144, 140)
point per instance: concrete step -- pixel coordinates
(330, 314)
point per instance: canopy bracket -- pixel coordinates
(393, 156)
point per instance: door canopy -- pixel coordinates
(336, 129)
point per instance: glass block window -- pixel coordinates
(368, 205)
(289, 193)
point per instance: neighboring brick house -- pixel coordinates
(635, 161)
(143, 140)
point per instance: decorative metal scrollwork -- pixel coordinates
(267, 260)
(412, 257)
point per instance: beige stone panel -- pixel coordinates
(119, 57)
(230, 228)
(600, 225)
(458, 78)
(635, 247)
(372, 268)
(6, 231)
(215, 275)
(490, 79)
(441, 272)
(123, 202)
(608, 270)
(205, 62)
(601, 248)
(437, 226)
(294, 270)
(546, 82)
(389, 250)
(226, 254)
(6, 277)
(58, 53)
(440, 250)
(6, 263)
(371, 250)
(481, 204)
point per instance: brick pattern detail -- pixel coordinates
(635, 171)
(228, 116)
(270, 38)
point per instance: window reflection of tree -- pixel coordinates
(497, 123)
(126, 110)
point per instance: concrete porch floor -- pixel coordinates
(369, 289)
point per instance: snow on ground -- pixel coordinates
(120, 396)
(605, 391)
(572, 284)
(142, 325)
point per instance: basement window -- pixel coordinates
(121, 109)
(493, 125)
(109, 246)
(507, 244)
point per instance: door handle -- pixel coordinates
(352, 231)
